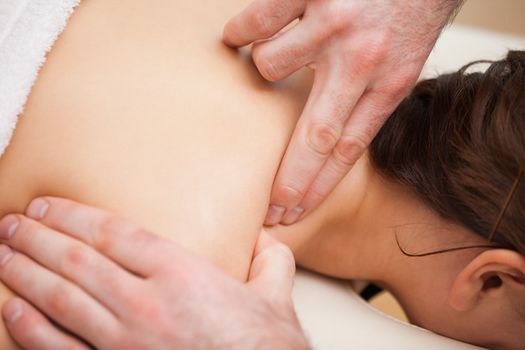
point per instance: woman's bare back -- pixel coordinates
(141, 110)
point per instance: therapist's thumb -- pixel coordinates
(273, 269)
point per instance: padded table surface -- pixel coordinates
(335, 317)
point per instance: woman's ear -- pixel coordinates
(487, 276)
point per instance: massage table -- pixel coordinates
(332, 314)
(335, 317)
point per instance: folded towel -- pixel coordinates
(28, 30)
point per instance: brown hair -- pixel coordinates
(458, 141)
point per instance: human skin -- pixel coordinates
(136, 290)
(445, 293)
(140, 112)
(366, 56)
(129, 115)
(116, 94)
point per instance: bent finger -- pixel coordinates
(368, 117)
(31, 330)
(332, 98)
(261, 20)
(62, 301)
(68, 257)
(125, 243)
(285, 54)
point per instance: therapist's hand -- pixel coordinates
(366, 54)
(115, 286)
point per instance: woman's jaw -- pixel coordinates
(352, 236)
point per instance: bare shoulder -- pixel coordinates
(139, 111)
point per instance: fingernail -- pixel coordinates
(37, 209)
(13, 311)
(274, 215)
(8, 227)
(5, 254)
(293, 216)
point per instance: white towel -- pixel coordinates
(28, 30)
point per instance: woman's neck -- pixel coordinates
(351, 235)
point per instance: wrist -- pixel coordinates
(448, 9)
(457, 7)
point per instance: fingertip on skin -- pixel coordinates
(12, 311)
(5, 254)
(263, 242)
(287, 197)
(232, 34)
(28, 327)
(226, 35)
(286, 253)
(267, 243)
(273, 266)
(293, 216)
(8, 226)
(274, 215)
(37, 209)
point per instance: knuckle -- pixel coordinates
(75, 256)
(349, 149)
(275, 63)
(368, 58)
(316, 194)
(111, 224)
(393, 90)
(401, 85)
(340, 15)
(144, 308)
(287, 194)
(376, 47)
(261, 23)
(60, 300)
(104, 235)
(375, 55)
(322, 138)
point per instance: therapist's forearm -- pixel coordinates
(456, 7)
